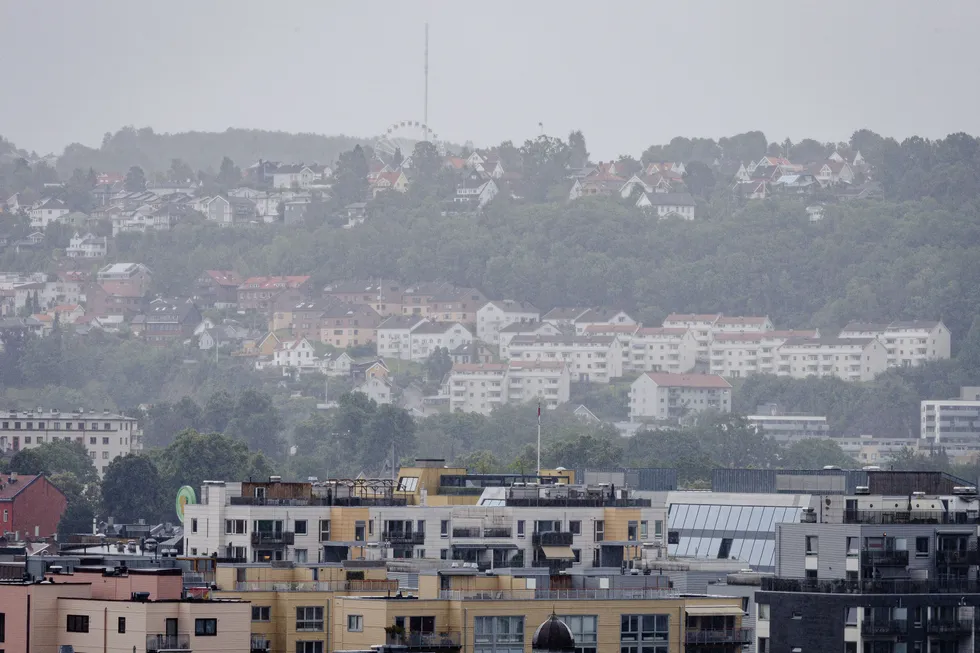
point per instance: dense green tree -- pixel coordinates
(544, 161)
(56, 457)
(578, 154)
(180, 172)
(815, 453)
(426, 160)
(83, 500)
(131, 489)
(135, 180)
(699, 178)
(218, 412)
(350, 182)
(257, 421)
(229, 175)
(438, 364)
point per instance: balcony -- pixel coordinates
(949, 627)
(426, 641)
(497, 532)
(955, 557)
(554, 538)
(884, 558)
(273, 539)
(402, 537)
(260, 644)
(740, 636)
(881, 586)
(161, 643)
(883, 627)
(910, 517)
(467, 532)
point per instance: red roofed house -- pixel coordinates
(218, 288)
(120, 289)
(661, 396)
(259, 293)
(396, 181)
(30, 505)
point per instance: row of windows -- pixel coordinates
(57, 426)
(79, 623)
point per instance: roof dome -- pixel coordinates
(553, 635)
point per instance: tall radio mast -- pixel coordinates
(425, 110)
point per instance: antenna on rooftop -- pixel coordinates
(425, 108)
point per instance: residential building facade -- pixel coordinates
(663, 396)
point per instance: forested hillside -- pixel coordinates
(201, 150)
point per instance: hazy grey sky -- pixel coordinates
(627, 73)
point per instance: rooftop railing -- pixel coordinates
(318, 586)
(160, 642)
(877, 586)
(558, 595)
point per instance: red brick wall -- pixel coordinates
(38, 504)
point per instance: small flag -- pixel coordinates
(539, 410)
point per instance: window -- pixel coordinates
(359, 531)
(811, 574)
(93, 441)
(408, 483)
(105, 455)
(921, 547)
(520, 528)
(850, 616)
(309, 647)
(355, 623)
(121, 625)
(599, 530)
(852, 546)
(205, 627)
(644, 530)
(300, 555)
(575, 528)
(658, 528)
(444, 528)
(194, 525)
(309, 618)
(235, 526)
(3, 628)
(643, 632)
(261, 613)
(764, 611)
(77, 623)
(797, 614)
(324, 530)
(811, 545)
(498, 635)
(585, 629)
(299, 527)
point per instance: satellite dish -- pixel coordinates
(185, 495)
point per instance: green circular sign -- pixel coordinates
(185, 495)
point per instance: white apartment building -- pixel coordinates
(425, 338)
(394, 336)
(663, 396)
(908, 344)
(663, 349)
(850, 359)
(477, 387)
(602, 317)
(294, 353)
(106, 435)
(594, 359)
(497, 314)
(788, 429)
(621, 333)
(248, 521)
(741, 354)
(701, 327)
(953, 424)
(87, 246)
(481, 387)
(740, 324)
(547, 382)
(510, 332)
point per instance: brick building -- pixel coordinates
(30, 506)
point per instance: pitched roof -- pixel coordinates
(437, 327)
(274, 282)
(602, 327)
(513, 306)
(565, 313)
(400, 322)
(688, 380)
(828, 341)
(864, 327)
(914, 324)
(741, 320)
(228, 278)
(693, 317)
(9, 490)
(480, 367)
(670, 199)
(662, 331)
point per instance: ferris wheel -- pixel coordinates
(403, 135)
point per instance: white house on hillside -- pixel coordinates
(376, 388)
(87, 246)
(659, 396)
(497, 314)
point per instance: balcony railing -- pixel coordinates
(949, 626)
(884, 558)
(879, 586)
(910, 517)
(873, 627)
(259, 644)
(379, 586)
(276, 538)
(497, 532)
(427, 641)
(618, 594)
(401, 536)
(181, 642)
(467, 532)
(553, 538)
(953, 557)
(730, 636)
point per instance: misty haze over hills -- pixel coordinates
(634, 73)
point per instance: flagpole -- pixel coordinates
(539, 439)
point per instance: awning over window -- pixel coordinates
(713, 610)
(558, 552)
